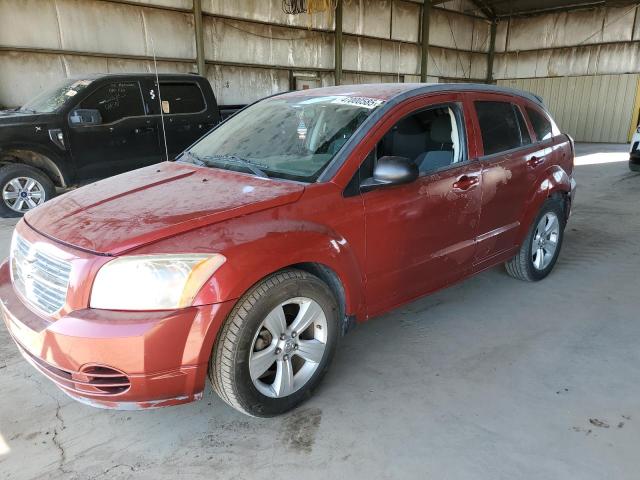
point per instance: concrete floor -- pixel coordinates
(491, 379)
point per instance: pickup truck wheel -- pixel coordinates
(539, 251)
(23, 188)
(276, 344)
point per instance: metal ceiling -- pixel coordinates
(511, 8)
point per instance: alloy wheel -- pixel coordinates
(22, 194)
(545, 241)
(288, 347)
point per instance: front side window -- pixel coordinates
(431, 139)
(292, 137)
(52, 100)
(499, 126)
(115, 101)
(541, 125)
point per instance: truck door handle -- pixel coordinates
(465, 183)
(143, 130)
(533, 162)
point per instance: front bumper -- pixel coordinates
(117, 359)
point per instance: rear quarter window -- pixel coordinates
(541, 124)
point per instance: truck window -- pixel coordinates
(181, 97)
(499, 126)
(541, 125)
(116, 101)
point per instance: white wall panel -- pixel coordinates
(266, 11)
(244, 42)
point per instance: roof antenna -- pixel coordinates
(155, 66)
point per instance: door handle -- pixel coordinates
(533, 162)
(143, 130)
(465, 183)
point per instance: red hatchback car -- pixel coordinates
(304, 214)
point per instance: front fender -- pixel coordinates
(554, 180)
(250, 262)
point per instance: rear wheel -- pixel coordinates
(539, 252)
(276, 344)
(23, 188)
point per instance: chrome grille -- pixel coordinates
(42, 279)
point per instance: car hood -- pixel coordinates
(143, 206)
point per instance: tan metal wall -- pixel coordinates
(590, 108)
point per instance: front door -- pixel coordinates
(124, 138)
(421, 236)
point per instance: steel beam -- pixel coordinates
(424, 54)
(492, 52)
(338, 43)
(200, 59)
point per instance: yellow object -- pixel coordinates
(636, 112)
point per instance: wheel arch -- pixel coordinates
(554, 183)
(35, 158)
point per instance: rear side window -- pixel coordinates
(183, 97)
(541, 124)
(116, 101)
(499, 126)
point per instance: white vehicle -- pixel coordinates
(634, 156)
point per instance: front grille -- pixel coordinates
(94, 379)
(41, 278)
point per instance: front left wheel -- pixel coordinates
(23, 188)
(276, 344)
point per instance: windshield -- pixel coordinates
(51, 100)
(284, 137)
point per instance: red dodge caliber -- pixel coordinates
(247, 258)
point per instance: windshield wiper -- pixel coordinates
(28, 110)
(230, 159)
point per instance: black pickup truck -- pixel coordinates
(97, 126)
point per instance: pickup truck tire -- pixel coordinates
(23, 188)
(261, 365)
(540, 249)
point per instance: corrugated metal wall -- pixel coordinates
(590, 108)
(251, 46)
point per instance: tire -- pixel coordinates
(526, 265)
(248, 342)
(17, 180)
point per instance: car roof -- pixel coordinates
(397, 91)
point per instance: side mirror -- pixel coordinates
(391, 171)
(85, 116)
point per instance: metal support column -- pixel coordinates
(492, 52)
(197, 15)
(338, 43)
(426, 15)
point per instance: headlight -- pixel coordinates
(152, 282)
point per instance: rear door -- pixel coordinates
(509, 160)
(187, 115)
(125, 138)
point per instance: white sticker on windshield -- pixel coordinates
(364, 102)
(71, 93)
